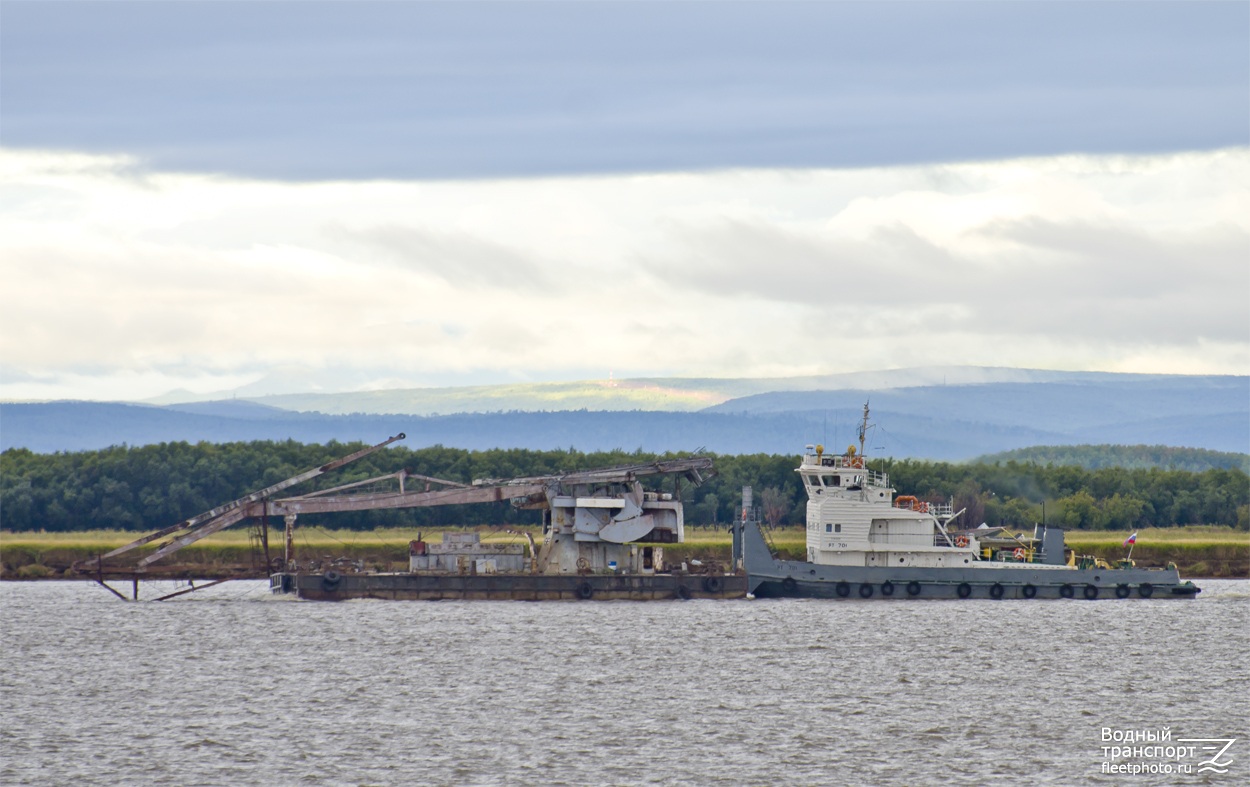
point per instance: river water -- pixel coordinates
(231, 686)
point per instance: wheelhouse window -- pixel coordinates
(832, 480)
(828, 528)
(813, 480)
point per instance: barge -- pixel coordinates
(604, 536)
(603, 539)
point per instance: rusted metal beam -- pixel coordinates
(615, 475)
(110, 589)
(212, 514)
(203, 531)
(432, 479)
(191, 589)
(354, 485)
(387, 500)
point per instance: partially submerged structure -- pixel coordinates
(603, 537)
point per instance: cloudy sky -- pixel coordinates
(281, 196)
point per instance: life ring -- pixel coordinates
(1145, 590)
(913, 588)
(1067, 591)
(1018, 554)
(865, 590)
(964, 590)
(1028, 591)
(1122, 591)
(842, 589)
(887, 588)
(584, 591)
(712, 584)
(961, 541)
(330, 580)
(789, 586)
(682, 592)
(996, 590)
(1091, 592)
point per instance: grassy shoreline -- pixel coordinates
(1198, 551)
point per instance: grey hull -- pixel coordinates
(769, 577)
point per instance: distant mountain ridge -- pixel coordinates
(670, 394)
(942, 422)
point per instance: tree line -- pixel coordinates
(151, 487)
(1094, 457)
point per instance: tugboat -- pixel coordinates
(864, 542)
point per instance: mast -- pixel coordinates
(863, 430)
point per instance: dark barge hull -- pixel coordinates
(509, 587)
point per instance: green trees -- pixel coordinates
(149, 487)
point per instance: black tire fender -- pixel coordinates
(789, 586)
(913, 588)
(1122, 591)
(585, 591)
(1067, 591)
(964, 590)
(1145, 590)
(713, 584)
(887, 588)
(682, 592)
(865, 590)
(331, 579)
(1028, 591)
(842, 589)
(996, 590)
(1090, 592)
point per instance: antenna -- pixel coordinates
(863, 429)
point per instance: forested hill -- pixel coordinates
(1093, 457)
(152, 487)
(936, 423)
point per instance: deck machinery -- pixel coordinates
(603, 537)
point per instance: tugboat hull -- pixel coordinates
(768, 577)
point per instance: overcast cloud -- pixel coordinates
(289, 195)
(310, 90)
(143, 284)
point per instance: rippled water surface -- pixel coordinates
(233, 686)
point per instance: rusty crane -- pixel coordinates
(585, 513)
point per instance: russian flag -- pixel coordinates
(1130, 540)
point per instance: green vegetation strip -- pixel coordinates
(1197, 551)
